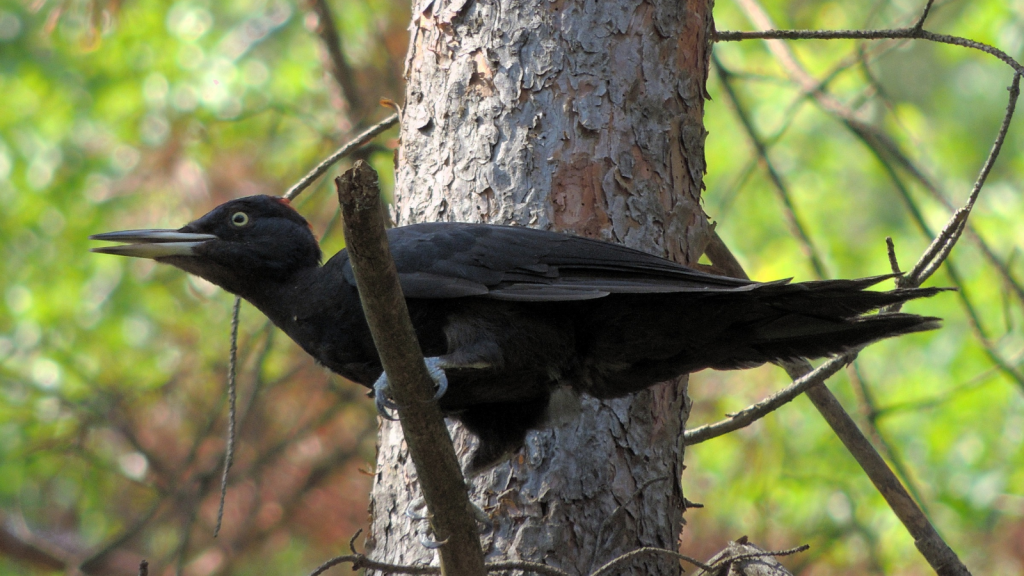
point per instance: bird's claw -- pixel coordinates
(431, 544)
(417, 504)
(435, 367)
(425, 540)
(382, 398)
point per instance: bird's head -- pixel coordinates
(238, 246)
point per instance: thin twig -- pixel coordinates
(360, 561)
(647, 551)
(725, 559)
(755, 412)
(229, 451)
(889, 34)
(924, 15)
(360, 140)
(877, 141)
(925, 267)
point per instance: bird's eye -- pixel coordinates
(239, 219)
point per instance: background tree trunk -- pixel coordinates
(583, 117)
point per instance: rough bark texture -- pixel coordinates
(583, 117)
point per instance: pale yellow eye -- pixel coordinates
(239, 219)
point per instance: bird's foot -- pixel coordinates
(382, 395)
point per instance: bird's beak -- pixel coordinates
(151, 243)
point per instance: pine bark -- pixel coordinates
(586, 118)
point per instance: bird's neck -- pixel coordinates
(321, 312)
(285, 300)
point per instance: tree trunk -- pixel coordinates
(582, 117)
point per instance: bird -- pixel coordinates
(510, 319)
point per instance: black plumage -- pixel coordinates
(513, 314)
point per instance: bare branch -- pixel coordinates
(646, 551)
(938, 554)
(738, 553)
(367, 135)
(890, 34)
(934, 549)
(924, 15)
(755, 412)
(360, 561)
(229, 450)
(430, 445)
(946, 239)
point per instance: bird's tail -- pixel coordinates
(824, 318)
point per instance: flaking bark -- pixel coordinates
(578, 117)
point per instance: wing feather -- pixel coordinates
(455, 260)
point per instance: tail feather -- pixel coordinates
(839, 298)
(825, 318)
(830, 339)
(737, 330)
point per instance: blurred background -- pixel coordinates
(140, 114)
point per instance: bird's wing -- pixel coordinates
(452, 260)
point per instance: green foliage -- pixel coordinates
(953, 420)
(111, 372)
(144, 114)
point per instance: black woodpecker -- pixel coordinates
(507, 316)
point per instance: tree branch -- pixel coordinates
(938, 554)
(889, 34)
(755, 412)
(926, 538)
(733, 555)
(367, 135)
(882, 146)
(430, 445)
